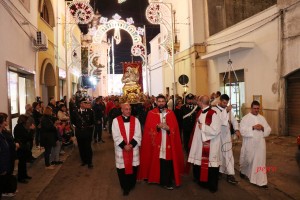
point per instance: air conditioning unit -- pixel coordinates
(40, 41)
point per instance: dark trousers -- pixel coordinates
(186, 139)
(213, 177)
(8, 184)
(166, 172)
(84, 139)
(98, 132)
(47, 155)
(22, 168)
(105, 119)
(127, 181)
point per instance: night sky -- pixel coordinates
(131, 8)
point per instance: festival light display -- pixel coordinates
(81, 11)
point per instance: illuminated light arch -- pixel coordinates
(137, 49)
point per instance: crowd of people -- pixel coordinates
(151, 138)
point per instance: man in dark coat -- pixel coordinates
(113, 113)
(84, 125)
(188, 112)
(98, 110)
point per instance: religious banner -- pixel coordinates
(132, 72)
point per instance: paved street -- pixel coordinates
(71, 181)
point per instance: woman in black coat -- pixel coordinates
(48, 135)
(23, 136)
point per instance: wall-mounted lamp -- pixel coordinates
(185, 87)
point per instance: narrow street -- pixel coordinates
(72, 181)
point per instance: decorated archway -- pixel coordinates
(137, 49)
(117, 24)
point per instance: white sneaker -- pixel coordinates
(9, 194)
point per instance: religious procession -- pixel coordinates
(156, 139)
(149, 99)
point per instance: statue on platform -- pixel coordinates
(131, 75)
(131, 88)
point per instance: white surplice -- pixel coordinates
(209, 132)
(227, 166)
(253, 152)
(118, 139)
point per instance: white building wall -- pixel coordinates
(16, 45)
(260, 63)
(291, 43)
(183, 21)
(197, 21)
(155, 60)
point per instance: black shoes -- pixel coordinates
(243, 176)
(57, 162)
(231, 179)
(220, 175)
(264, 187)
(28, 177)
(100, 140)
(23, 181)
(125, 193)
(90, 166)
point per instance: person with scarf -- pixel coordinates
(126, 132)
(205, 149)
(161, 149)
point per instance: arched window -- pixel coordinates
(45, 14)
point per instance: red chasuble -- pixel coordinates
(127, 155)
(150, 148)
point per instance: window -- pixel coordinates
(45, 14)
(20, 93)
(235, 89)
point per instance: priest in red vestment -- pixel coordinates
(161, 149)
(205, 149)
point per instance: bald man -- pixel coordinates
(126, 132)
(205, 149)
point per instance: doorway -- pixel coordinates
(20, 94)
